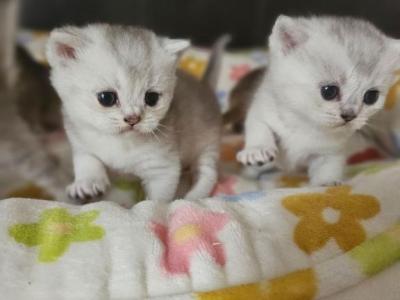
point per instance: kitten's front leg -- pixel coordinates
(327, 170)
(161, 183)
(260, 145)
(91, 178)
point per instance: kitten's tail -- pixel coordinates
(215, 61)
(8, 29)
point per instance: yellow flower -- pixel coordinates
(193, 65)
(299, 285)
(335, 214)
(292, 181)
(393, 94)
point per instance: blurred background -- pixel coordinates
(249, 21)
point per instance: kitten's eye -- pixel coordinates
(371, 96)
(151, 98)
(107, 98)
(330, 92)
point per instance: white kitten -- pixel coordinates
(128, 109)
(327, 77)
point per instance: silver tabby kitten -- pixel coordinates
(327, 77)
(127, 109)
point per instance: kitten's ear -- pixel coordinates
(287, 34)
(63, 45)
(174, 46)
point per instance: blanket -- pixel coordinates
(305, 243)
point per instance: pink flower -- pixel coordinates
(189, 231)
(238, 71)
(225, 187)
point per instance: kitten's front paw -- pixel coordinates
(256, 156)
(87, 189)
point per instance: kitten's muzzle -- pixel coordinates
(132, 120)
(348, 116)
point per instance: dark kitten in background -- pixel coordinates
(37, 102)
(28, 108)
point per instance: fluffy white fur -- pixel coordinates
(130, 61)
(289, 123)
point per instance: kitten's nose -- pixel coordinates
(348, 116)
(132, 120)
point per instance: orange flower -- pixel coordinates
(393, 95)
(30, 191)
(299, 285)
(334, 214)
(292, 181)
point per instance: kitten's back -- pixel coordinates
(195, 113)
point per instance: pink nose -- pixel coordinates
(132, 120)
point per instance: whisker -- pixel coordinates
(158, 130)
(163, 126)
(155, 136)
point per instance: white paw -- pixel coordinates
(256, 156)
(87, 189)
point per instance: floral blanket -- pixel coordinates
(278, 244)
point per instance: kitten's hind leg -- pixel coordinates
(326, 170)
(206, 174)
(91, 178)
(161, 183)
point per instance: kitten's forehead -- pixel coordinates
(363, 43)
(131, 43)
(131, 47)
(348, 43)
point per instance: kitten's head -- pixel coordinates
(114, 78)
(333, 72)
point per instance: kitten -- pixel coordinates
(240, 99)
(37, 101)
(127, 109)
(24, 88)
(327, 76)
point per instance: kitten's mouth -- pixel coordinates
(126, 129)
(340, 125)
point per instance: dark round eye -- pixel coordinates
(371, 96)
(330, 92)
(107, 98)
(151, 98)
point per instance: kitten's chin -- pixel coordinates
(345, 127)
(341, 125)
(126, 129)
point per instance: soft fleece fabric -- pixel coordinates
(283, 244)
